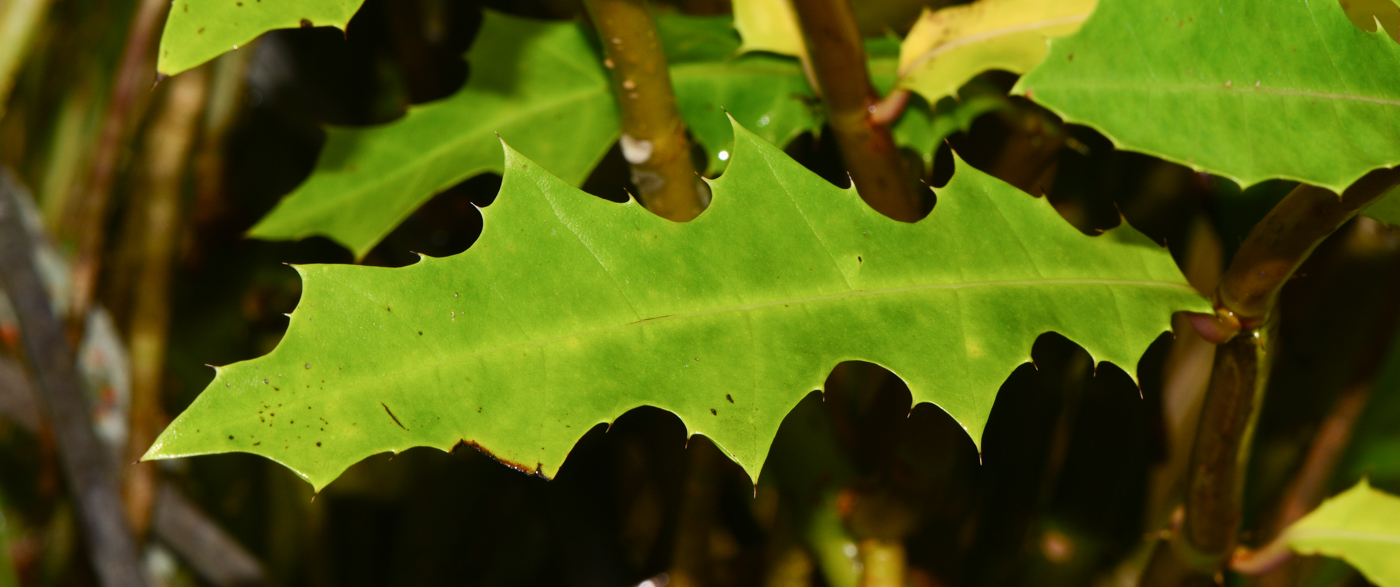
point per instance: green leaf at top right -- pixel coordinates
(1251, 91)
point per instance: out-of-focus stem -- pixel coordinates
(19, 19)
(654, 138)
(134, 78)
(884, 563)
(690, 559)
(166, 153)
(226, 88)
(867, 148)
(85, 462)
(1244, 300)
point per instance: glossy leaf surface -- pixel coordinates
(571, 310)
(1245, 90)
(946, 48)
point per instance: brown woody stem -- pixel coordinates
(1245, 298)
(867, 148)
(653, 135)
(1283, 240)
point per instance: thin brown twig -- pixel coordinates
(867, 147)
(654, 140)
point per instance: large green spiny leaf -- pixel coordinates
(1247, 90)
(571, 310)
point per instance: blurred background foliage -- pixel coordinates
(1079, 461)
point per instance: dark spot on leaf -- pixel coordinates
(420, 333)
(200, 31)
(306, 24)
(729, 397)
(318, 445)
(1071, 57)
(256, 443)
(230, 437)
(713, 412)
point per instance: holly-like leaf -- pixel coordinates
(1360, 526)
(571, 310)
(946, 48)
(538, 84)
(1251, 91)
(199, 30)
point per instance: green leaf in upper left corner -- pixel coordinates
(199, 30)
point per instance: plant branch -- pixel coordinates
(167, 149)
(137, 69)
(90, 476)
(1280, 243)
(653, 135)
(867, 148)
(1244, 326)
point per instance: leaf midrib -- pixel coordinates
(1095, 86)
(1325, 533)
(749, 307)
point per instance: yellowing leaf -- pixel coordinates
(1360, 526)
(769, 25)
(947, 48)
